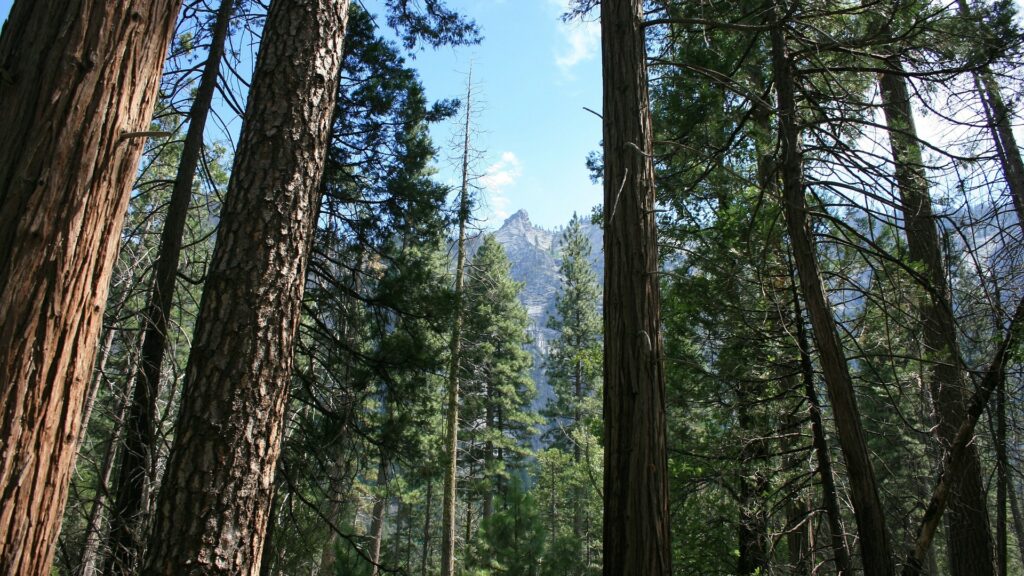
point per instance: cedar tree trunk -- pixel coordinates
(78, 81)
(636, 522)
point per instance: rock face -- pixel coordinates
(535, 254)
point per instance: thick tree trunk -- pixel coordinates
(636, 523)
(969, 540)
(216, 494)
(448, 520)
(130, 512)
(876, 551)
(78, 82)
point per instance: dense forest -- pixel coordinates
(293, 349)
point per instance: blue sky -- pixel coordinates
(533, 75)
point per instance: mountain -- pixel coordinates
(535, 255)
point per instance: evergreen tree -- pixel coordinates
(573, 365)
(496, 383)
(79, 81)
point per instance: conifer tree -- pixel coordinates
(213, 505)
(573, 365)
(636, 523)
(78, 84)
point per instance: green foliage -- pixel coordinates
(512, 539)
(496, 387)
(574, 363)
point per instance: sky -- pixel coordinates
(532, 76)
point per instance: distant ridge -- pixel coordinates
(535, 254)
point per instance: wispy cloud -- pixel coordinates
(497, 178)
(580, 40)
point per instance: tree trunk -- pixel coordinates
(212, 509)
(876, 551)
(377, 523)
(269, 554)
(636, 525)
(130, 511)
(1018, 521)
(78, 82)
(798, 519)
(955, 459)
(455, 350)
(1001, 478)
(969, 540)
(426, 527)
(841, 555)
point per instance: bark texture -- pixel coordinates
(215, 498)
(636, 521)
(876, 552)
(77, 77)
(969, 539)
(129, 515)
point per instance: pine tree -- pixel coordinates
(213, 504)
(497, 388)
(573, 365)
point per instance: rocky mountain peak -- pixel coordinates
(535, 253)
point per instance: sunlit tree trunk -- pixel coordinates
(78, 82)
(215, 498)
(129, 513)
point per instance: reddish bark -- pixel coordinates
(77, 79)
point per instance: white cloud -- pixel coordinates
(581, 39)
(497, 178)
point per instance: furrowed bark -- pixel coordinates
(129, 516)
(76, 76)
(636, 521)
(215, 498)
